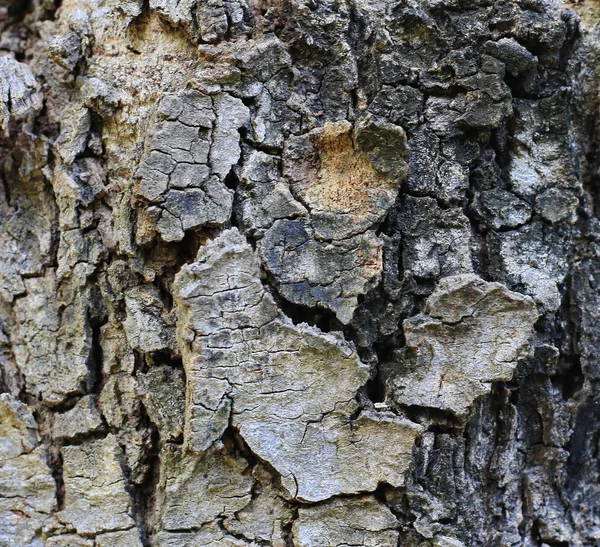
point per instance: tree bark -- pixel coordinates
(304, 273)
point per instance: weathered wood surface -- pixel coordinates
(299, 273)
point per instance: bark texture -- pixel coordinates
(299, 273)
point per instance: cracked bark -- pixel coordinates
(299, 273)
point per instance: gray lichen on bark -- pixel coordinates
(299, 273)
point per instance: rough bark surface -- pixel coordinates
(299, 273)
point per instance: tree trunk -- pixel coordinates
(308, 273)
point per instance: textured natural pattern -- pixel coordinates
(299, 273)
(288, 390)
(472, 333)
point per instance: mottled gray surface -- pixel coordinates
(299, 273)
(291, 399)
(472, 333)
(358, 521)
